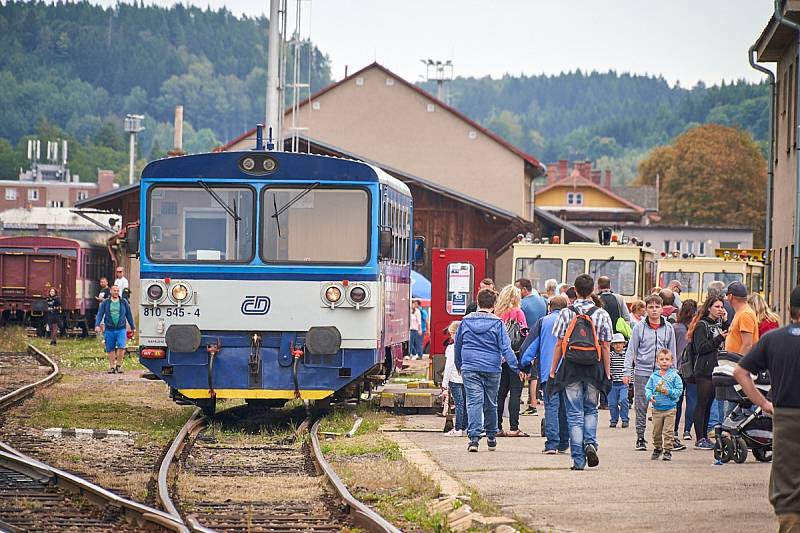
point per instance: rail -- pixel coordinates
(163, 497)
(13, 459)
(362, 515)
(23, 392)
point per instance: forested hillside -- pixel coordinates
(607, 117)
(75, 68)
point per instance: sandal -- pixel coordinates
(118, 369)
(112, 370)
(501, 433)
(517, 433)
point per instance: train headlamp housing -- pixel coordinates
(180, 293)
(358, 295)
(333, 294)
(155, 292)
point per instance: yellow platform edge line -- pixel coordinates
(261, 394)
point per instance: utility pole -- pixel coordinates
(133, 125)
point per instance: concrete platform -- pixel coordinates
(626, 492)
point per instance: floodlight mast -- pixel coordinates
(442, 73)
(133, 125)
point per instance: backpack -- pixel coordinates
(516, 334)
(687, 362)
(580, 345)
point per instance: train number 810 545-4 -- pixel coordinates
(177, 312)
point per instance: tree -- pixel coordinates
(10, 161)
(711, 175)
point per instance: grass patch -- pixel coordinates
(13, 339)
(83, 354)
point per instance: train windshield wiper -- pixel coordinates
(231, 211)
(278, 212)
(596, 269)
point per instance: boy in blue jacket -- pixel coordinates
(663, 390)
(481, 345)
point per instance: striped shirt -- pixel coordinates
(601, 319)
(617, 366)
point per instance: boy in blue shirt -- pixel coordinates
(663, 390)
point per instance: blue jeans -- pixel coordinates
(415, 347)
(717, 414)
(555, 421)
(460, 401)
(481, 388)
(690, 397)
(618, 402)
(581, 401)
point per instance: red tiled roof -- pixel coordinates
(575, 180)
(502, 142)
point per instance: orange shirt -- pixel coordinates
(744, 321)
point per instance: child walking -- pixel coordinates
(453, 383)
(618, 397)
(663, 390)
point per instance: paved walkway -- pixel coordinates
(627, 492)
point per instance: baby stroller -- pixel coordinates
(746, 426)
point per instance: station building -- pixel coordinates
(778, 44)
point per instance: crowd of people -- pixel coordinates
(581, 348)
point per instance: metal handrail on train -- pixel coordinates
(361, 514)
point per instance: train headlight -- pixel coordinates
(155, 292)
(248, 163)
(333, 294)
(358, 295)
(180, 292)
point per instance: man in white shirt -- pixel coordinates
(121, 281)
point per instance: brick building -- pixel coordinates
(41, 190)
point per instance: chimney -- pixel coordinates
(552, 172)
(177, 136)
(596, 176)
(608, 178)
(105, 181)
(585, 169)
(563, 168)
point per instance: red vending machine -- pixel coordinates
(455, 276)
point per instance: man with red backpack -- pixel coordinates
(584, 331)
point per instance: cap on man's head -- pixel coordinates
(794, 298)
(737, 289)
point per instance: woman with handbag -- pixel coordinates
(509, 309)
(707, 334)
(53, 314)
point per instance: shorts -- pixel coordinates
(115, 338)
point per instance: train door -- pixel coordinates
(456, 274)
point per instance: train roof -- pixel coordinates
(225, 165)
(43, 240)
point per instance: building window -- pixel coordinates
(689, 247)
(83, 195)
(11, 194)
(666, 247)
(33, 194)
(730, 244)
(56, 203)
(574, 198)
(678, 245)
(701, 248)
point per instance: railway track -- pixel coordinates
(234, 476)
(38, 497)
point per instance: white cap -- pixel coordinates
(618, 337)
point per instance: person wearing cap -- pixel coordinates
(618, 397)
(743, 333)
(778, 352)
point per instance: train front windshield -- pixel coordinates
(189, 223)
(315, 225)
(621, 273)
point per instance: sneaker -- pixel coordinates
(492, 444)
(573, 467)
(563, 451)
(624, 425)
(667, 456)
(678, 446)
(687, 435)
(549, 451)
(112, 370)
(473, 446)
(591, 455)
(454, 433)
(656, 454)
(612, 425)
(641, 445)
(531, 410)
(704, 444)
(119, 369)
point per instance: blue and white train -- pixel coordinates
(271, 275)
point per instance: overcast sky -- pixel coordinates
(683, 40)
